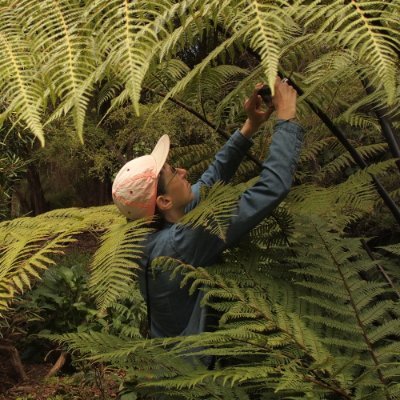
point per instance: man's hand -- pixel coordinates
(256, 115)
(284, 100)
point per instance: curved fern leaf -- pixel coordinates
(368, 30)
(20, 86)
(267, 27)
(114, 263)
(214, 211)
(62, 43)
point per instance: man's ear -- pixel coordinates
(164, 202)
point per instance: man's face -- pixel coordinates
(176, 185)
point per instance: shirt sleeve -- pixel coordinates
(224, 166)
(198, 247)
(274, 182)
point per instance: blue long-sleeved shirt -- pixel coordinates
(173, 311)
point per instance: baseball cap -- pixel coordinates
(134, 190)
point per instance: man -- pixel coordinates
(149, 185)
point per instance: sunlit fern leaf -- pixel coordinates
(369, 30)
(20, 87)
(129, 35)
(27, 251)
(215, 210)
(93, 218)
(267, 27)
(62, 45)
(114, 263)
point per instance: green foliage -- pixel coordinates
(60, 52)
(28, 246)
(61, 300)
(326, 327)
(113, 265)
(11, 169)
(214, 211)
(305, 313)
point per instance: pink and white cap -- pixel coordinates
(134, 189)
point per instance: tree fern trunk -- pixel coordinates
(38, 202)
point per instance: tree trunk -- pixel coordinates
(15, 361)
(38, 202)
(105, 191)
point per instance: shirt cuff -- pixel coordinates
(241, 140)
(288, 121)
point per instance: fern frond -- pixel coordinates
(366, 29)
(267, 27)
(131, 35)
(63, 45)
(20, 86)
(165, 74)
(232, 103)
(114, 263)
(25, 255)
(221, 77)
(346, 160)
(214, 211)
(372, 321)
(183, 83)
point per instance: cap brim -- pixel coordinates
(160, 152)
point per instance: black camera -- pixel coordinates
(265, 93)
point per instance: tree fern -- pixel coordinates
(199, 68)
(130, 35)
(267, 26)
(28, 246)
(335, 268)
(368, 30)
(345, 160)
(348, 201)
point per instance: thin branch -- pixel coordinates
(386, 124)
(203, 119)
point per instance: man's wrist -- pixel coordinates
(249, 128)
